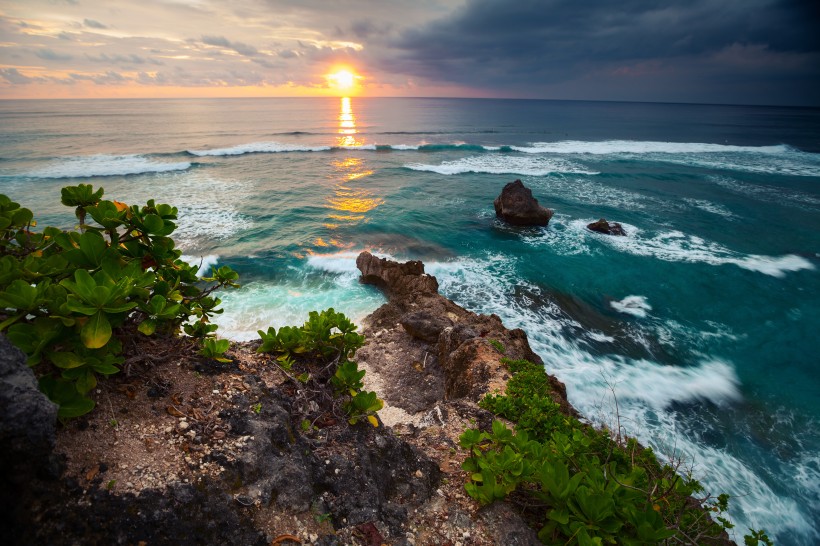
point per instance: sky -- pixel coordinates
(701, 51)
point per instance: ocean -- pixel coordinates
(703, 322)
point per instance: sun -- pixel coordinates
(342, 80)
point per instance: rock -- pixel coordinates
(28, 423)
(607, 228)
(425, 325)
(517, 206)
(453, 344)
(395, 278)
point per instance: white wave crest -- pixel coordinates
(632, 305)
(607, 147)
(343, 263)
(106, 165)
(676, 246)
(494, 164)
(258, 147)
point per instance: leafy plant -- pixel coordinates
(326, 336)
(589, 487)
(215, 349)
(67, 298)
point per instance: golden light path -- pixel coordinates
(349, 205)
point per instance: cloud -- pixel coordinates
(51, 55)
(91, 23)
(13, 76)
(509, 45)
(239, 47)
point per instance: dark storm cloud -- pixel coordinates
(499, 44)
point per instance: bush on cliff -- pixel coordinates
(68, 299)
(579, 484)
(330, 339)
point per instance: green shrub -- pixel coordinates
(584, 486)
(329, 337)
(67, 298)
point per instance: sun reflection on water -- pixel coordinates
(349, 203)
(347, 126)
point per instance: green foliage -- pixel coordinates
(326, 336)
(589, 488)
(215, 349)
(757, 537)
(363, 404)
(497, 345)
(68, 297)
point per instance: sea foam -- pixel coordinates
(636, 306)
(676, 246)
(106, 165)
(258, 147)
(608, 147)
(501, 164)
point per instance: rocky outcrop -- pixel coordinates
(516, 205)
(396, 279)
(607, 228)
(446, 352)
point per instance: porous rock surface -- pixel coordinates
(516, 205)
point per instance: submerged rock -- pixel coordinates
(517, 206)
(607, 228)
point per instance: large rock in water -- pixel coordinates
(607, 228)
(517, 206)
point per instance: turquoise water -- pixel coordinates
(703, 321)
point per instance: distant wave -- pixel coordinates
(607, 147)
(257, 148)
(525, 166)
(272, 147)
(105, 165)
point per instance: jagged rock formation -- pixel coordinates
(516, 205)
(607, 228)
(455, 349)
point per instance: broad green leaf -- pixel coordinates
(153, 224)
(93, 247)
(148, 327)
(96, 332)
(66, 360)
(86, 382)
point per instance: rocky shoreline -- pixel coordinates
(186, 452)
(182, 451)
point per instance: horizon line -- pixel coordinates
(325, 97)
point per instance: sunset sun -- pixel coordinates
(343, 79)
